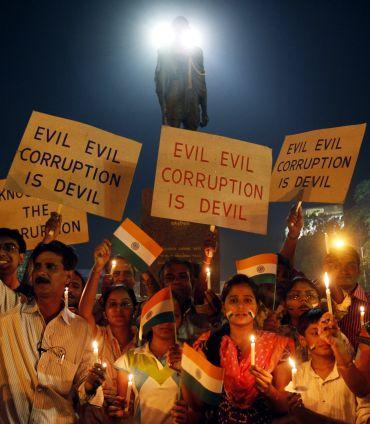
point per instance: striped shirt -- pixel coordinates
(42, 366)
(350, 324)
(330, 397)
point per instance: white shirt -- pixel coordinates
(330, 397)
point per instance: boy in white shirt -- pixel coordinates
(324, 396)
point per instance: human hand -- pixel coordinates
(173, 357)
(180, 412)
(52, 227)
(328, 329)
(294, 402)
(263, 379)
(94, 379)
(210, 245)
(117, 407)
(295, 221)
(205, 120)
(102, 254)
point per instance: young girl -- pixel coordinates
(251, 393)
(155, 371)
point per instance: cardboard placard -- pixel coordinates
(74, 164)
(28, 215)
(212, 180)
(318, 165)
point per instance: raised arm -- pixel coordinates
(295, 225)
(101, 257)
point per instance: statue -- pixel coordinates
(180, 82)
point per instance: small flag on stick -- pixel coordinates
(260, 268)
(201, 377)
(157, 310)
(135, 245)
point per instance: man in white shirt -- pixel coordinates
(45, 349)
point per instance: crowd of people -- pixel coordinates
(51, 371)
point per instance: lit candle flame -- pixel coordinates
(292, 363)
(326, 280)
(95, 345)
(130, 378)
(362, 309)
(252, 339)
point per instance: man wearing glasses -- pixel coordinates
(45, 349)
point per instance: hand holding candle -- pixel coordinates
(253, 350)
(328, 296)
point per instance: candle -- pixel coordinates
(208, 273)
(95, 352)
(253, 351)
(212, 228)
(66, 297)
(328, 296)
(129, 389)
(327, 243)
(294, 372)
(114, 263)
(362, 315)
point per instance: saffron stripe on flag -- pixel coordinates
(160, 307)
(143, 238)
(131, 242)
(158, 297)
(264, 258)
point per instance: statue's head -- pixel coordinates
(180, 24)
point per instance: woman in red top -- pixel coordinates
(252, 394)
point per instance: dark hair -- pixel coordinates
(68, 254)
(296, 280)
(310, 317)
(81, 277)
(237, 280)
(15, 235)
(175, 261)
(349, 250)
(111, 289)
(108, 265)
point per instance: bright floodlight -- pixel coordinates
(163, 35)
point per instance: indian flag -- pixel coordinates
(201, 377)
(260, 268)
(157, 310)
(137, 247)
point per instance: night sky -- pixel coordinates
(273, 68)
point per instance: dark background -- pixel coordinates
(273, 68)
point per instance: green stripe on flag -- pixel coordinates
(161, 318)
(202, 393)
(264, 279)
(123, 250)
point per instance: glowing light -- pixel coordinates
(338, 243)
(163, 35)
(326, 280)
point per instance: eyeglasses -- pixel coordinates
(123, 305)
(9, 247)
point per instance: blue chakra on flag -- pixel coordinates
(149, 314)
(135, 245)
(260, 269)
(198, 373)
